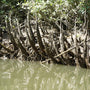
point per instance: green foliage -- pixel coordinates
(48, 10)
(54, 9)
(7, 6)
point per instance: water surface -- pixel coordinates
(24, 75)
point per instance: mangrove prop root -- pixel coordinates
(40, 39)
(23, 50)
(65, 51)
(30, 28)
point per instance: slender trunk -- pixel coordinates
(89, 23)
(31, 42)
(85, 49)
(19, 31)
(30, 28)
(61, 39)
(11, 35)
(87, 5)
(20, 35)
(39, 39)
(76, 45)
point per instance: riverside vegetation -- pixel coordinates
(55, 31)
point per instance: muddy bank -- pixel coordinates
(40, 41)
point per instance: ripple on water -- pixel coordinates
(21, 75)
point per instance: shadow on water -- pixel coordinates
(21, 75)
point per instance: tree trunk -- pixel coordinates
(39, 39)
(89, 24)
(30, 28)
(87, 3)
(76, 45)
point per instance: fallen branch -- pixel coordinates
(70, 49)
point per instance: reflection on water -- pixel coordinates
(21, 75)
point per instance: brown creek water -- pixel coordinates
(24, 75)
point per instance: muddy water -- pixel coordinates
(21, 75)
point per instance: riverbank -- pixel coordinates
(46, 44)
(44, 31)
